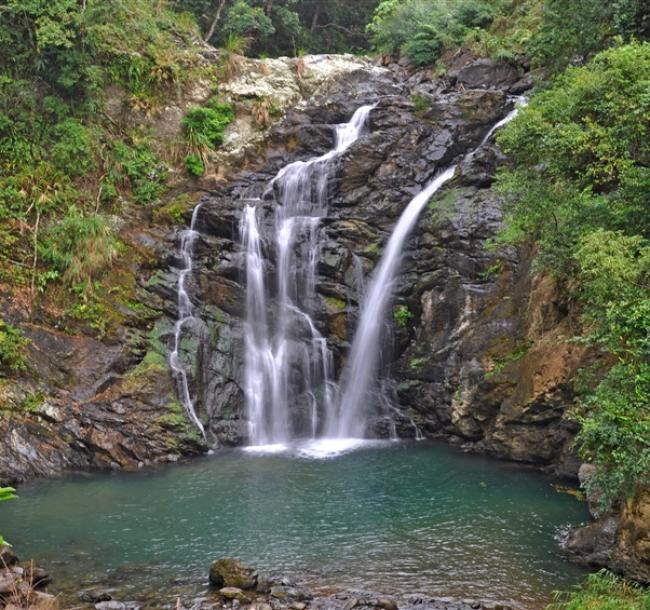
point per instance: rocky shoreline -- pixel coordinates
(231, 586)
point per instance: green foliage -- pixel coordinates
(64, 165)
(575, 31)
(417, 361)
(173, 211)
(615, 417)
(12, 347)
(579, 155)
(194, 165)
(603, 591)
(6, 493)
(420, 103)
(423, 29)
(249, 21)
(141, 168)
(615, 432)
(578, 186)
(205, 125)
(235, 44)
(283, 27)
(402, 315)
(32, 402)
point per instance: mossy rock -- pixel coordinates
(229, 572)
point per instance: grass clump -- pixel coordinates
(603, 591)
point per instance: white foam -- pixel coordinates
(332, 447)
(262, 449)
(317, 449)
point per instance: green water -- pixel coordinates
(395, 518)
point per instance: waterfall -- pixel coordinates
(185, 316)
(285, 354)
(287, 359)
(360, 372)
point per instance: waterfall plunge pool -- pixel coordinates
(390, 517)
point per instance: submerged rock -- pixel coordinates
(94, 596)
(230, 573)
(233, 593)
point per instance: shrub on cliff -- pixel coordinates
(12, 347)
(578, 186)
(205, 125)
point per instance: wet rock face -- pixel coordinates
(482, 355)
(374, 180)
(89, 405)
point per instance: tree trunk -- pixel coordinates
(268, 7)
(314, 21)
(215, 21)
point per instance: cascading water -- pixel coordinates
(360, 372)
(185, 316)
(286, 356)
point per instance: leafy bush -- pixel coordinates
(194, 165)
(6, 493)
(402, 315)
(572, 32)
(205, 126)
(579, 153)
(242, 18)
(615, 417)
(12, 347)
(603, 591)
(145, 172)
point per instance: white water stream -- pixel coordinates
(287, 357)
(185, 316)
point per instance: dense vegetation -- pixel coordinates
(579, 187)
(551, 33)
(285, 27)
(67, 169)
